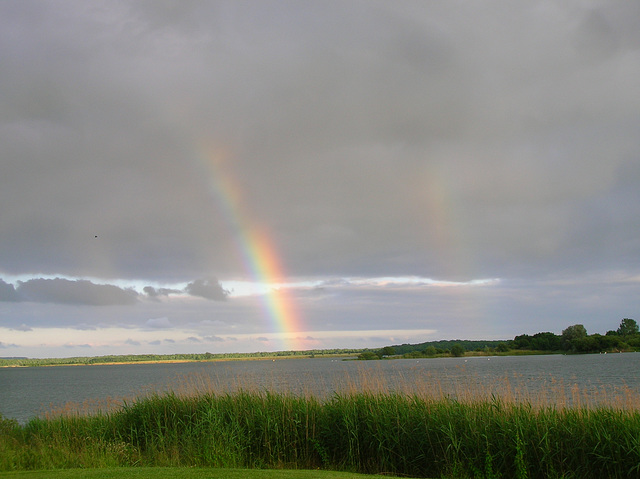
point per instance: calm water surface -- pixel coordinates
(28, 392)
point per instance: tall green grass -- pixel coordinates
(369, 431)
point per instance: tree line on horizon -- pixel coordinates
(573, 339)
(140, 358)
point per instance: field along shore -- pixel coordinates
(172, 358)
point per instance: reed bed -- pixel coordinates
(433, 429)
(539, 392)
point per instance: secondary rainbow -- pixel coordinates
(257, 248)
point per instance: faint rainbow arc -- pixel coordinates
(257, 249)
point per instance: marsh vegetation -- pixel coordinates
(491, 431)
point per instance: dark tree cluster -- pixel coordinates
(575, 339)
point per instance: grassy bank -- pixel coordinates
(366, 432)
(181, 473)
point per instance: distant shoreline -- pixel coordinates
(91, 361)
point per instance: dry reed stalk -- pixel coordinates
(88, 407)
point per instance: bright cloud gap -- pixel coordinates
(66, 290)
(237, 288)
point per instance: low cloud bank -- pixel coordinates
(64, 291)
(85, 292)
(208, 289)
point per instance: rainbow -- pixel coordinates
(258, 251)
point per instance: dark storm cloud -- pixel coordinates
(208, 289)
(64, 291)
(451, 139)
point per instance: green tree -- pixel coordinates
(522, 341)
(576, 331)
(368, 355)
(572, 335)
(627, 327)
(457, 351)
(430, 351)
(387, 351)
(546, 342)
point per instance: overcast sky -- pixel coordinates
(226, 176)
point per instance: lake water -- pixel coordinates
(555, 379)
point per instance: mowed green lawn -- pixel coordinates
(183, 473)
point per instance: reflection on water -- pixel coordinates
(552, 380)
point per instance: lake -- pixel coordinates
(554, 379)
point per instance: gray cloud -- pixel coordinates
(213, 339)
(160, 323)
(307, 338)
(207, 288)
(8, 292)
(64, 291)
(155, 293)
(85, 327)
(447, 140)
(22, 327)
